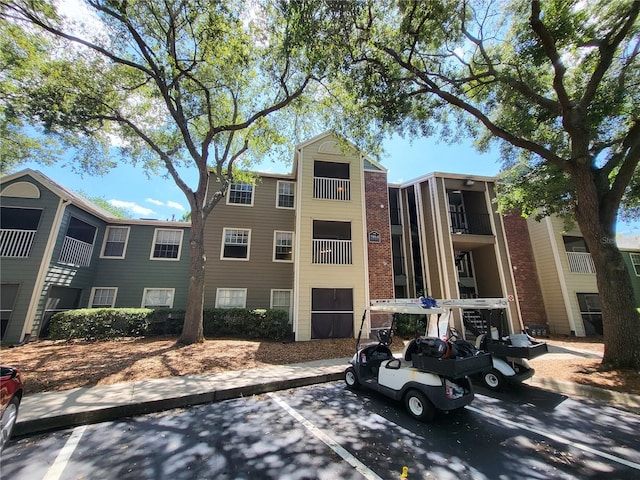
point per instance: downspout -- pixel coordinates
(44, 268)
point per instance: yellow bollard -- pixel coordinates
(405, 472)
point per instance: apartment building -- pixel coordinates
(448, 242)
(320, 243)
(60, 252)
(567, 277)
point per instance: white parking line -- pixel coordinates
(557, 438)
(55, 470)
(326, 439)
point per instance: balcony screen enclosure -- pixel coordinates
(331, 313)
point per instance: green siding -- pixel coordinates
(137, 271)
(24, 271)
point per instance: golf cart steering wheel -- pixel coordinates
(385, 336)
(453, 334)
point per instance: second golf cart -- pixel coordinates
(429, 377)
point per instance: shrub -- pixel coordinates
(111, 323)
(100, 323)
(243, 323)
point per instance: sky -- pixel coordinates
(128, 187)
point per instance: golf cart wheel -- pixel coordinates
(351, 379)
(493, 379)
(419, 406)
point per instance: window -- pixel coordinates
(635, 261)
(235, 244)
(115, 242)
(283, 247)
(231, 297)
(281, 300)
(286, 192)
(103, 297)
(78, 243)
(591, 313)
(240, 194)
(158, 297)
(167, 244)
(18, 228)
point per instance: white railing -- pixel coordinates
(16, 243)
(580, 262)
(76, 252)
(334, 252)
(331, 188)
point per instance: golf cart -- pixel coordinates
(509, 352)
(428, 378)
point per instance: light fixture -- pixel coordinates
(468, 182)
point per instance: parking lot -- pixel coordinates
(326, 431)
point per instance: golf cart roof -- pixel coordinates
(414, 305)
(404, 305)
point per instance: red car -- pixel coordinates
(11, 388)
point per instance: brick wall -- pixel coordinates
(524, 271)
(380, 259)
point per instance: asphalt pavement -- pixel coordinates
(62, 409)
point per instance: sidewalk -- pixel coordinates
(62, 409)
(51, 410)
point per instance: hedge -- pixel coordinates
(111, 323)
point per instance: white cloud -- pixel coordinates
(131, 206)
(175, 205)
(168, 203)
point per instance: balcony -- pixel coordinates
(581, 262)
(470, 223)
(332, 188)
(16, 243)
(76, 252)
(332, 252)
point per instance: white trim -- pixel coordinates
(253, 194)
(126, 242)
(224, 234)
(153, 245)
(144, 296)
(275, 244)
(93, 293)
(365, 250)
(296, 258)
(278, 194)
(244, 290)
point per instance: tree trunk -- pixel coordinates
(620, 320)
(192, 331)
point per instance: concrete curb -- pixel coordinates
(98, 414)
(619, 399)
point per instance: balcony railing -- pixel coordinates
(580, 262)
(470, 223)
(76, 252)
(333, 252)
(16, 243)
(331, 188)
